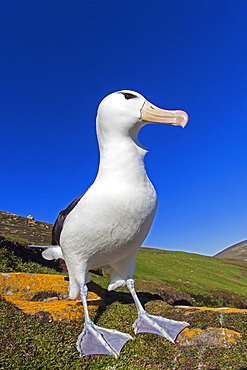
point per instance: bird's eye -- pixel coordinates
(129, 96)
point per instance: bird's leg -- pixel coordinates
(97, 340)
(146, 323)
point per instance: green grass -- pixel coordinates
(200, 276)
(186, 269)
(28, 343)
(9, 262)
(34, 343)
(16, 239)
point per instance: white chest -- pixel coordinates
(110, 217)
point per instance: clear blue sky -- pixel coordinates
(59, 58)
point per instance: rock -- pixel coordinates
(219, 337)
(30, 217)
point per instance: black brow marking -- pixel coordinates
(128, 95)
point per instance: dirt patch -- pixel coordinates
(48, 295)
(221, 298)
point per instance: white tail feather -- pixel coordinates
(52, 252)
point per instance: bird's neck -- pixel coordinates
(122, 160)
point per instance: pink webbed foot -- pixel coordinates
(147, 323)
(95, 340)
(159, 325)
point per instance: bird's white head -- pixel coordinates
(125, 112)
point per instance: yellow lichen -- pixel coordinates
(189, 333)
(20, 288)
(220, 309)
(221, 337)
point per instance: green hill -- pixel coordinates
(237, 251)
(24, 229)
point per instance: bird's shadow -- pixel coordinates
(109, 297)
(126, 298)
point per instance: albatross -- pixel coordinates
(105, 227)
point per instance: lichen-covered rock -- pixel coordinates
(219, 337)
(44, 295)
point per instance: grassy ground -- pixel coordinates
(28, 343)
(36, 343)
(208, 280)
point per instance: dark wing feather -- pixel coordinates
(58, 226)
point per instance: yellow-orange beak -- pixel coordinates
(151, 113)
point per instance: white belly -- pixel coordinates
(110, 222)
